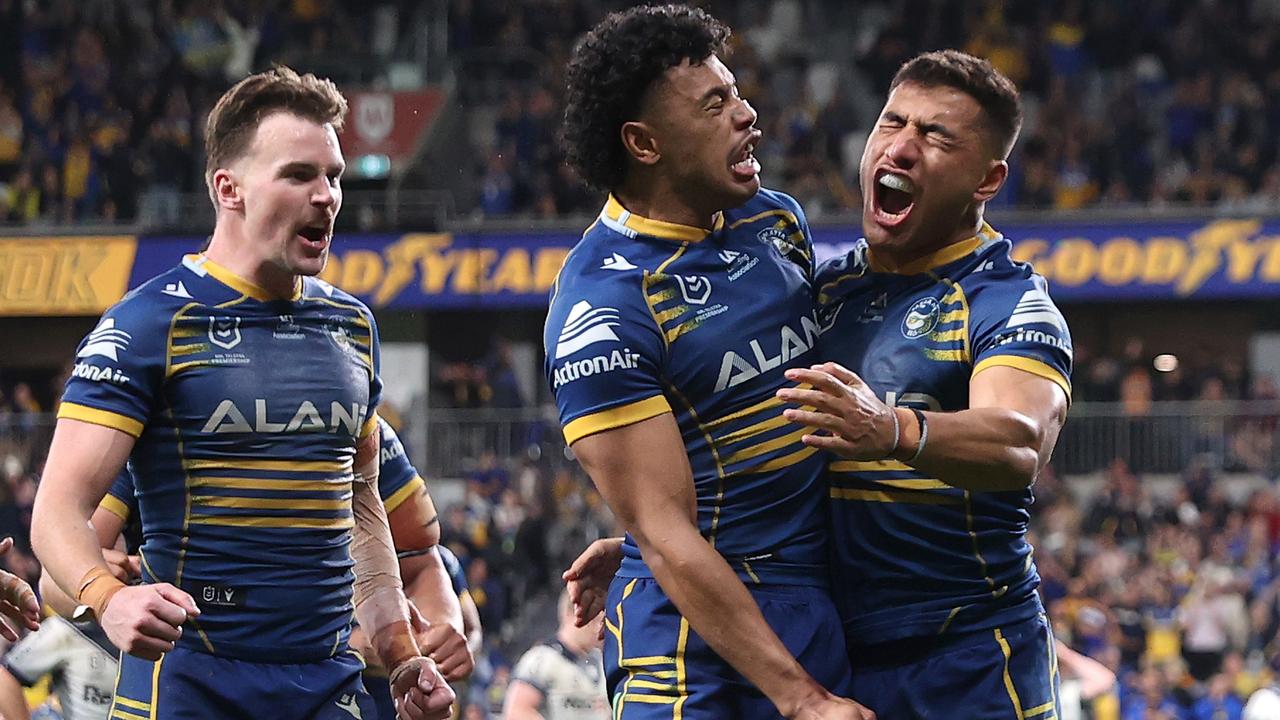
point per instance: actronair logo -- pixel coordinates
(105, 340)
(585, 326)
(1035, 307)
(623, 359)
(100, 374)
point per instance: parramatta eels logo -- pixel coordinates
(224, 331)
(776, 237)
(921, 318)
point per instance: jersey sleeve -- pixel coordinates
(119, 368)
(120, 499)
(1016, 324)
(605, 356)
(397, 478)
(451, 565)
(532, 666)
(41, 652)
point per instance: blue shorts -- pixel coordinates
(1006, 673)
(656, 665)
(379, 687)
(190, 685)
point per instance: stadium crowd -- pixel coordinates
(1157, 103)
(1151, 103)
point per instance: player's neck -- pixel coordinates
(899, 255)
(657, 200)
(233, 250)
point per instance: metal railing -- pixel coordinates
(1163, 438)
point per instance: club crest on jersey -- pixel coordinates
(224, 331)
(921, 318)
(694, 288)
(776, 237)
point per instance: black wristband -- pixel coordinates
(924, 434)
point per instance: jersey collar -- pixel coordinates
(619, 219)
(201, 263)
(943, 256)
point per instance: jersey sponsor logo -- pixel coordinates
(874, 312)
(287, 329)
(390, 451)
(738, 263)
(1035, 337)
(109, 374)
(229, 418)
(695, 289)
(921, 318)
(96, 695)
(892, 398)
(224, 331)
(1035, 307)
(177, 290)
(586, 325)
(736, 369)
(106, 340)
(623, 359)
(616, 262)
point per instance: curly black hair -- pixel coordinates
(613, 67)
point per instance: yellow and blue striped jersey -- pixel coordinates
(247, 411)
(915, 556)
(121, 501)
(398, 479)
(650, 317)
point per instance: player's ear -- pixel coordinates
(997, 173)
(641, 142)
(227, 192)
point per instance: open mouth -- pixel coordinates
(895, 196)
(315, 237)
(744, 165)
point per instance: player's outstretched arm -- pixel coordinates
(18, 605)
(84, 459)
(1000, 443)
(587, 579)
(643, 473)
(418, 690)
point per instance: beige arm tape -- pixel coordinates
(380, 604)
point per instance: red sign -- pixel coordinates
(388, 123)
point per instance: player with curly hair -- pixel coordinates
(669, 330)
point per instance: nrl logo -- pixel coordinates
(695, 288)
(224, 331)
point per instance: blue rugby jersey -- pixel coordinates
(398, 480)
(247, 411)
(122, 502)
(650, 317)
(914, 556)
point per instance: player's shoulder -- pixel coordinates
(993, 273)
(607, 267)
(769, 199)
(156, 300)
(315, 289)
